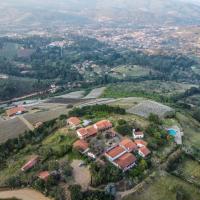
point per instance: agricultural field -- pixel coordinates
(95, 93)
(130, 71)
(73, 95)
(151, 89)
(47, 115)
(23, 194)
(145, 108)
(164, 187)
(11, 129)
(128, 102)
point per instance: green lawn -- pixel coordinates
(134, 71)
(164, 188)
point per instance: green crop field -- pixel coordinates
(164, 188)
(152, 89)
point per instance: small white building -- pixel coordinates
(138, 134)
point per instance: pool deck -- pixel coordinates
(178, 136)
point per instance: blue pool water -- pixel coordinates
(172, 132)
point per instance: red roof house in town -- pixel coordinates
(86, 132)
(81, 145)
(126, 161)
(144, 151)
(73, 122)
(31, 163)
(103, 125)
(141, 143)
(44, 175)
(15, 111)
(115, 152)
(128, 145)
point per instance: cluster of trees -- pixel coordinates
(91, 110)
(137, 172)
(100, 173)
(124, 128)
(16, 87)
(77, 194)
(155, 129)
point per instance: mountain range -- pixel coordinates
(134, 12)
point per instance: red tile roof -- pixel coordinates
(81, 145)
(128, 144)
(30, 163)
(74, 121)
(82, 131)
(91, 131)
(15, 110)
(103, 124)
(145, 151)
(115, 151)
(125, 160)
(88, 131)
(44, 175)
(140, 142)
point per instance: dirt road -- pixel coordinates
(23, 194)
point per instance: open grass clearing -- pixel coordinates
(23, 194)
(190, 168)
(191, 129)
(134, 71)
(164, 188)
(81, 174)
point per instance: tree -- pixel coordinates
(76, 193)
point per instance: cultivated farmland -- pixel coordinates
(11, 128)
(95, 93)
(145, 108)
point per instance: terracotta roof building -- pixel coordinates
(126, 161)
(31, 163)
(103, 125)
(73, 121)
(140, 143)
(115, 152)
(86, 132)
(15, 111)
(144, 151)
(128, 145)
(44, 175)
(81, 145)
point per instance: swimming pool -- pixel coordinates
(171, 132)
